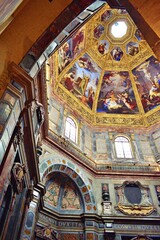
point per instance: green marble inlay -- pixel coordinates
(70, 165)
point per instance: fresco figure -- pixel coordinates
(98, 31)
(116, 94)
(106, 15)
(132, 48)
(147, 104)
(78, 42)
(82, 80)
(147, 79)
(69, 81)
(124, 97)
(52, 193)
(103, 47)
(117, 54)
(70, 49)
(64, 56)
(88, 98)
(70, 198)
(110, 102)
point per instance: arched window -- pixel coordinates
(123, 147)
(71, 129)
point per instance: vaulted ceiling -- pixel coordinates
(106, 72)
(100, 102)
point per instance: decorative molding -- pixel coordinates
(47, 232)
(141, 207)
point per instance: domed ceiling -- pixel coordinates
(107, 73)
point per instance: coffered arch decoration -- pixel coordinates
(73, 183)
(133, 199)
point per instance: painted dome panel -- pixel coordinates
(99, 73)
(71, 49)
(132, 48)
(103, 47)
(139, 35)
(106, 15)
(98, 31)
(147, 78)
(82, 80)
(117, 53)
(116, 94)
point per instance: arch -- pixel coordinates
(65, 166)
(63, 195)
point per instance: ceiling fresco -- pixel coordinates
(147, 78)
(116, 94)
(107, 72)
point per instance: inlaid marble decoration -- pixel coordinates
(101, 146)
(147, 79)
(71, 236)
(9, 98)
(70, 199)
(62, 193)
(52, 193)
(116, 94)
